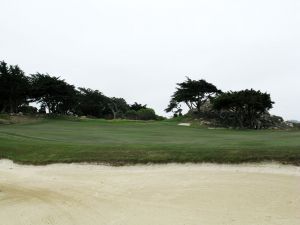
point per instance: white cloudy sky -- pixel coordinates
(139, 49)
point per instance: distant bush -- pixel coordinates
(146, 114)
(296, 125)
(4, 116)
(132, 115)
(61, 117)
(181, 119)
(160, 118)
(26, 109)
(142, 114)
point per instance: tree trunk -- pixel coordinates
(189, 105)
(11, 108)
(48, 105)
(4, 108)
(240, 118)
(115, 114)
(16, 106)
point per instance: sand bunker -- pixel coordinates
(149, 195)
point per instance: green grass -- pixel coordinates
(130, 142)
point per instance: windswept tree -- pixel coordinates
(118, 107)
(14, 88)
(53, 93)
(247, 106)
(92, 103)
(194, 93)
(174, 107)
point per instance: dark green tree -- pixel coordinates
(194, 93)
(54, 93)
(14, 88)
(118, 107)
(136, 106)
(247, 106)
(92, 103)
(174, 107)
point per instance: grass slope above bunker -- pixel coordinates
(130, 142)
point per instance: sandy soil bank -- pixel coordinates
(149, 195)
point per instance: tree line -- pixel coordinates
(56, 96)
(244, 109)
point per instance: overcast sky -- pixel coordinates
(140, 49)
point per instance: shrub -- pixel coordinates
(26, 109)
(132, 115)
(146, 114)
(160, 118)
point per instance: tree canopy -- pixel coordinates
(91, 103)
(14, 87)
(247, 106)
(55, 96)
(54, 93)
(136, 106)
(193, 93)
(118, 107)
(244, 109)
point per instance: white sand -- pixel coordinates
(184, 124)
(149, 195)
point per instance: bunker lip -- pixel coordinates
(171, 194)
(256, 167)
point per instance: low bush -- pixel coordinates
(146, 114)
(132, 115)
(26, 109)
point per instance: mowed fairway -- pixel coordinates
(129, 142)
